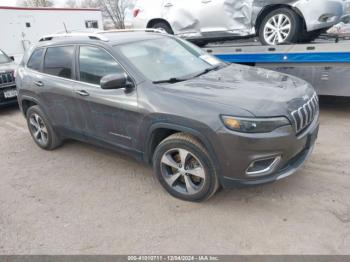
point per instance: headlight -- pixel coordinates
(254, 125)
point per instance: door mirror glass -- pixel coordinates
(12, 58)
(114, 81)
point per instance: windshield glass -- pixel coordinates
(167, 58)
(3, 58)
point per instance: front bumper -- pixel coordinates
(7, 101)
(293, 150)
(320, 14)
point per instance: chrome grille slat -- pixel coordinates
(7, 78)
(305, 114)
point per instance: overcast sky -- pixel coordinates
(58, 3)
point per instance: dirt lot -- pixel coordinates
(85, 200)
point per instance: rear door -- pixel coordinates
(183, 15)
(213, 16)
(112, 115)
(57, 85)
(223, 15)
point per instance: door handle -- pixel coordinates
(38, 83)
(206, 1)
(82, 92)
(168, 5)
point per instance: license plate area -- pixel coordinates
(10, 93)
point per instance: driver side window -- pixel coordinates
(95, 63)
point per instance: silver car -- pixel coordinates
(274, 21)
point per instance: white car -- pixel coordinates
(274, 21)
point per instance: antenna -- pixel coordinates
(65, 28)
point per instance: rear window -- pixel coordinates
(59, 61)
(35, 60)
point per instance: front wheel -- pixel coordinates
(184, 168)
(281, 26)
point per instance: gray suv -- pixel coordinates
(202, 124)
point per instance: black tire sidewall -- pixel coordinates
(295, 30)
(210, 182)
(51, 134)
(163, 26)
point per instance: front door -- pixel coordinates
(111, 115)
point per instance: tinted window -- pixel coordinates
(58, 61)
(35, 60)
(96, 63)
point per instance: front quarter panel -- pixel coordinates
(314, 10)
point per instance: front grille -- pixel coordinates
(7, 78)
(305, 114)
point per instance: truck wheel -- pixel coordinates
(163, 26)
(280, 26)
(41, 130)
(184, 168)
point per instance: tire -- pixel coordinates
(47, 138)
(176, 181)
(308, 37)
(163, 26)
(288, 35)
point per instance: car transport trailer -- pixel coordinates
(325, 63)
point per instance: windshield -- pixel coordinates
(167, 58)
(3, 58)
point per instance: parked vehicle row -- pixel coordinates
(275, 22)
(201, 123)
(8, 92)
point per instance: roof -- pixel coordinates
(47, 8)
(107, 37)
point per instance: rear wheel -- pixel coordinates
(281, 26)
(185, 169)
(163, 26)
(41, 129)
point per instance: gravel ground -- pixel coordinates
(81, 199)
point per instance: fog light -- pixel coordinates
(263, 166)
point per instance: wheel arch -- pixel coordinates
(159, 131)
(158, 20)
(269, 8)
(27, 102)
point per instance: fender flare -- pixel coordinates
(203, 139)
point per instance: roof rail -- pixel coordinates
(150, 30)
(92, 36)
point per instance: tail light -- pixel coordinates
(136, 12)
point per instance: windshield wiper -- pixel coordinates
(176, 79)
(170, 80)
(208, 70)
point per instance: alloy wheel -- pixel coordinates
(38, 129)
(182, 171)
(277, 29)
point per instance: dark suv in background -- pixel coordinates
(8, 92)
(201, 123)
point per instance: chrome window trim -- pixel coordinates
(72, 80)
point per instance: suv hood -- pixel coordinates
(262, 92)
(7, 67)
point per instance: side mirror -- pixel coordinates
(114, 81)
(12, 58)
